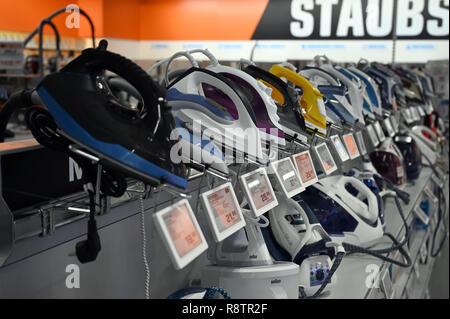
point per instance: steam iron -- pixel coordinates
(398, 90)
(335, 93)
(220, 109)
(345, 217)
(411, 154)
(361, 88)
(411, 85)
(354, 91)
(194, 150)
(289, 110)
(243, 266)
(258, 94)
(388, 161)
(367, 177)
(387, 84)
(83, 111)
(311, 100)
(110, 140)
(295, 234)
(372, 90)
(427, 136)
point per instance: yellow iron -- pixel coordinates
(313, 107)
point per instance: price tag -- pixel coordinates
(431, 195)
(287, 176)
(419, 116)
(340, 149)
(416, 113)
(411, 114)
(372, 135)
(362, 145)
(386, 285)
(223, 211)
(394, 123)
(400, 171)
(443, 176)
(258, 191)
(421, 215)
(407, 116)
(423, 253)
(439, 183)
(428, 107)
(416, 269)
(350, 144)
(379, 131)
(388, 126)
(305, 168)
(180, 233)
(421, 111)
(325, 158)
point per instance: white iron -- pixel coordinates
(361, 219)
(264, 107)
(372, 90)
(306, 241)
(243, 266)
(192, 100)
(353, 89)
(324, 78)
(432, 140)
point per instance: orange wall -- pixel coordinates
(94, 8)
(143, 19)
(121, 19)
(200, 19)
(25, 16)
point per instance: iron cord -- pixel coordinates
(440, 214)
(397, 245)
(441, 219)
(404, 196)
(144, 246)
(211, 292)
(87, 250)
(431, 165)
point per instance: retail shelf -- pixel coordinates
(25, 76)
(420, 283)
(402, 280)
(352, 277)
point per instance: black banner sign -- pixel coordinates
(354, 19)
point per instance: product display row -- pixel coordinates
(326, 181)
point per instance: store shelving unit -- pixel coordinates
(355, 269)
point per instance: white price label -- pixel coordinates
(372, 135)
(388, 126)
(340, 149)
(351, 146)
(362, 145)
(305, 168)
(259, 191)
(379, 131)
(325, 158)
(180, 233)
(287, 177)
(223, 210)
(421, 215)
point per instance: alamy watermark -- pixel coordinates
(73, 277)
(373, 279)
(219, 145)
(73, 19)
